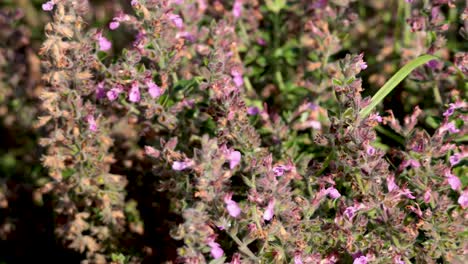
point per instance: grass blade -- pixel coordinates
(394, 81)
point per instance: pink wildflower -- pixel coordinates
(406, 192)
(134, 95)
(216, 250)
(181, 165)
(237, 77)
(253, 110)
(134, 2)
(298, 258)
(391, 183)
(114, 93)
(463, 199)
(454, 181)
(234, 159)
(427, 196)
(48, 6)
(231, 206)
(237, 8)
(176, 20)
(152, 152)
(333, 193)
(153, 89)
(370, 150)
(104, 43)
(269, 212)
(100, 92)
(449, 127)
(360, 260)
(92, 125)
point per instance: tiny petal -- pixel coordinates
(216, 250)
(253, 110)
(237, 8)
(114, 25)
(234, 159)
(454, 182)
(391, 185)
(134, 2)
(298, 258)
(153, 89)
(333, 193)
(233, 209)
(360, 260)
(269, 212)
(48, 6)
(92, 125)
(463, 199)
(181, 165)
(238, 81)
(100, 92)
(278, 170)
(152, 152)
(113, 93)
(176, 20)
(134, 95)
(427, 196)
(449, 111)
(455, 159)
(104, 44)
(370, 150)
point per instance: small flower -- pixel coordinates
(216, 250)
(427, 196)
(92, 125)
(375, 117)
(48, 6)
(333, 193)
(433, 64)
(181, 165)
(411, 162)
(350, 211)
(152, 152)
(237, 77)
(406, 192)
(463, 199)
(280, 170)
(455, 158)
(298, 258)
(391, 185)
(453, 181)
(134, 2)
(114, 93)
(397, 260)
(360, 260)
(237, 8)
(153, 89)
(234, 159)
(134, 95)
(231, 206)
(269, 212)
(370, 150)
(176, 20)
(100, 92)
(104, 44)
(313, 124)
(449, 127)
(113, 25)
(253, 110)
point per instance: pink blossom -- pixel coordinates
(100, 92)
(234, 159)
(391, 183)
(454, 182)
(406, 192)
(134, 95)
(449, 111)
(92, 125)
(176, 20)
(237, 8)
(456, 158)
(237, 77)
(411, 162)
(314, 124)
(370, 150)
(153, 89)
(449, 127)
(298, 258)
(427, 196)
(281, 169)
(216, 250)
(48, 6)
(152, 152)
(463, 199)
(114, 93)
(253, 110)
(360, 260)
(231, 206)
(269, 211)
(375, 117)
(114, 25)
(134, 2)
(350, 211)
(104, 44)
(333, 193)
(181, 165)
(397, 260)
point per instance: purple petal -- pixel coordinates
(134, 95)
(48, 6)
(234, 159)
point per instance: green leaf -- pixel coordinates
(394, 81)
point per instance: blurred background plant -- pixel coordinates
(191, 131)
